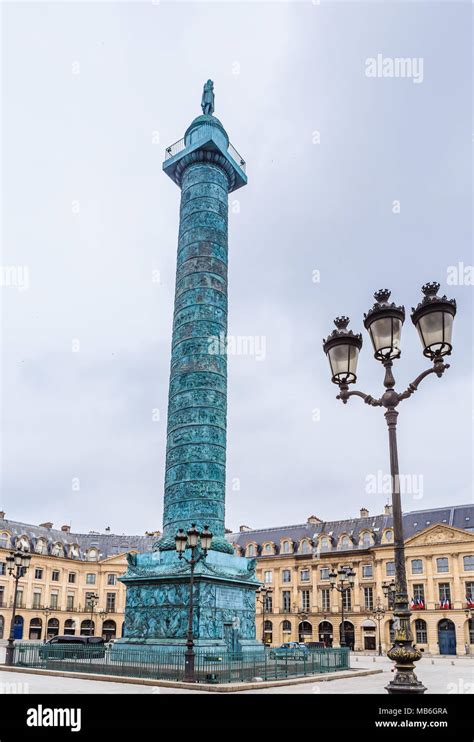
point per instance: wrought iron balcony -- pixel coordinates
(180, 145)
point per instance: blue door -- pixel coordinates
(18, 627)
(446, 637)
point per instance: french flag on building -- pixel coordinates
(469, 601)
(444, 604)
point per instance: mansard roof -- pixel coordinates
(107, 544)
(460, 516)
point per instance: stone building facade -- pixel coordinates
(295, 562)
(65, 569)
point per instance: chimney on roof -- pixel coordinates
(2, 515)
(229, 530)
(242, 529)
(313, 519)
(364, 513)
(46, 525)
(388, 510)
(66, 529)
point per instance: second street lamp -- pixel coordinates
(183, 541)
(264, 595)
(379, 613)
(17, 563)
(433, 318)
(343, 585)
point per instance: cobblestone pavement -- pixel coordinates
(440, 675)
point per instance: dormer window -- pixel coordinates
(92, 554)
(58, 550)
(285, 547)
(305, 547)
(4, 540)
(366, 540)
(268, 549)
(251, 550)
(41, 546)
(345, 542)
(23, 543)
(389, 535)
(74, 551)
(324, 543)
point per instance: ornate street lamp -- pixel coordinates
(183, 541)
(92, 601)
(433, 318)
(389, 593)
(343, 582)
(17, 564)
(262, 594)
(379, 613)
(47, 612)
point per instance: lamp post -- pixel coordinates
(389, 590)
(190, 540)
(379, 613)
(92, 600)
(342, 585)
(18, 562)
(47, 612)
(262, 595)
(102, 614)
(433, 318)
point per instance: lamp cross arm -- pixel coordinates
(368, 399)
(438, 368)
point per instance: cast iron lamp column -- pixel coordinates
(433, 318)
(92, 601)
(190, 540)
(261, 595)
(379, 613)
(18, 563)
(343, 585)
(47, 612)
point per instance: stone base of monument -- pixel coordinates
(157, 608)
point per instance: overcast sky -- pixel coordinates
(87, 90)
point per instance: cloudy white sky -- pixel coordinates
(87, 89)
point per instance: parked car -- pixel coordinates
(72, 647)
(291, 650)
(315, 645)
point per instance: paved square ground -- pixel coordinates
(440, 675)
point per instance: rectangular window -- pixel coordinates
(421, 632)
(111, 579)
(305, 575)
(267, 576)
(470, 591)
(468, 563)
(286, 575)
(71, 577)
(325, 599)
(368, 598)
(19, 600)
(70, 603)
(442, 564)
(38, 574)
(286, 600)
(324, 573)
(55, 575)
(2, 595)
(268, 603)
(37, 599)
(347, 599)
(89, 596)
(419, 593)
(3, 568)
(416, 566)
(305, 600)
(110, 605)
(90, 578)
(444, 592)
(367, 570)
(390, 569)
(54, 600)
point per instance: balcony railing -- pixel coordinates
(177, 147)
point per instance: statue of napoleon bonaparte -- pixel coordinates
(207, 100)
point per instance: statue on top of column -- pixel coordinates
(207, 100)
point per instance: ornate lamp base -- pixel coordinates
(405, 681)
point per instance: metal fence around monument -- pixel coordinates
(155, 664)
